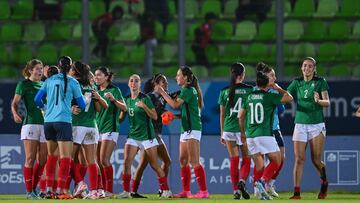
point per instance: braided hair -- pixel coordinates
(65, 65)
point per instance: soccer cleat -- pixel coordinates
(184, 194)
(42, 195)
(295, 197)
(31, 195)
(93, 194)
(260, 186)
(80, 189)
(137, 195)
(124, 195)
(323, 190)
(271, 190)
(50, 195)
(109, 195)
(242, 188)
(101, 193)
(160, 192)
(201, 195)
(237, 194)
(166, 194)
(65, 196)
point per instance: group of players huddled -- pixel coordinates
(72, 122)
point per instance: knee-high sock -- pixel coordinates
(64, 171)
(37, 173)
(257, 174)
(109, 178)
(135, 185)
(245, 168)
(50, 170)
(234, 171)
(278, 171)
(269, 171)
(200, 177)
(186, 177)
(28, 174)
(77, 173)
(163, 183)
(126, 182)
(93, 177)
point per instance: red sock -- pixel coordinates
(234, 171)
(126, 182)
(77, 173)
(135, 185)
(71, 175)
(269, 171)
(101, 183)
(245, 168)
(50, 170)
(276, 174)
(54, 187)
(297, 191)
(257, 174)
(200, 177)
(83, 169)
(42, 185)
(93, 177)
(186, 177)
(28, 174)
(64, 171)
(37, 173)
(163, 183)
(109, 178)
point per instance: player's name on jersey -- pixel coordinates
(257, 96)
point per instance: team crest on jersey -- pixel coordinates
(312, 85)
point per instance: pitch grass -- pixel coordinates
(337, 197)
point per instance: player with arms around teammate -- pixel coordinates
(190, 101)
(230, 100)
(108, 124)
(59, 90)
(311, 97)
(258, 110)
(32, 130)
(141, 112)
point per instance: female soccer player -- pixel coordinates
(108, 124)
(59, 90)
(190, 101)
(258, 110)
(32, 130)
(141, 111)
(85, 131)
(311, 95)
(230, 100)
(275, 129)
(159, 102)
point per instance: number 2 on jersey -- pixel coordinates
(236, 108)
(256, 113)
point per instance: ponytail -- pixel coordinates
(236, 70)
(193, 81)
(65, 65)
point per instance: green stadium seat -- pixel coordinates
(287, 9)
(200, 71)
(114, 31)
(137, 55)
(4, 10)
(171, 31)
(315, 30)
(47, 53)
(301, 51)
(340, 71)
(250, 71)
(244, 31)
(129, 31)
(356, 30)
(191, 9)
(8, 72)
(293, 30)
(339, 30)
(349, 8)
(304, 8)
(59, 31)
(34, 32)
(220, 72)
(3, 55)
(21, 54)
(126, 71)
(172, 8)
(222, 30)
(170, 72)
(267, 30)
(350, 52)
(256, 52)
(189, 54)
(287, 53)
(77, 32)
(71, 10)
(232, 53)
(327, 52)
(190, 33)
(10, 32)
(165, 53)
(321, 71)
(292, 71)
(117, 53)
(327, 9)
(210, 6)
(212, 52)
(229, 8)
(356, 71)
(96, 8)
(159, 30)
(72, 50)
(22, 10)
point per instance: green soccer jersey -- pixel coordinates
(141, 126)
(28, 89)
(107, 119)
(190, 112)
(231, 122)
(307, 111)
(260, 107)
(86, 118)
